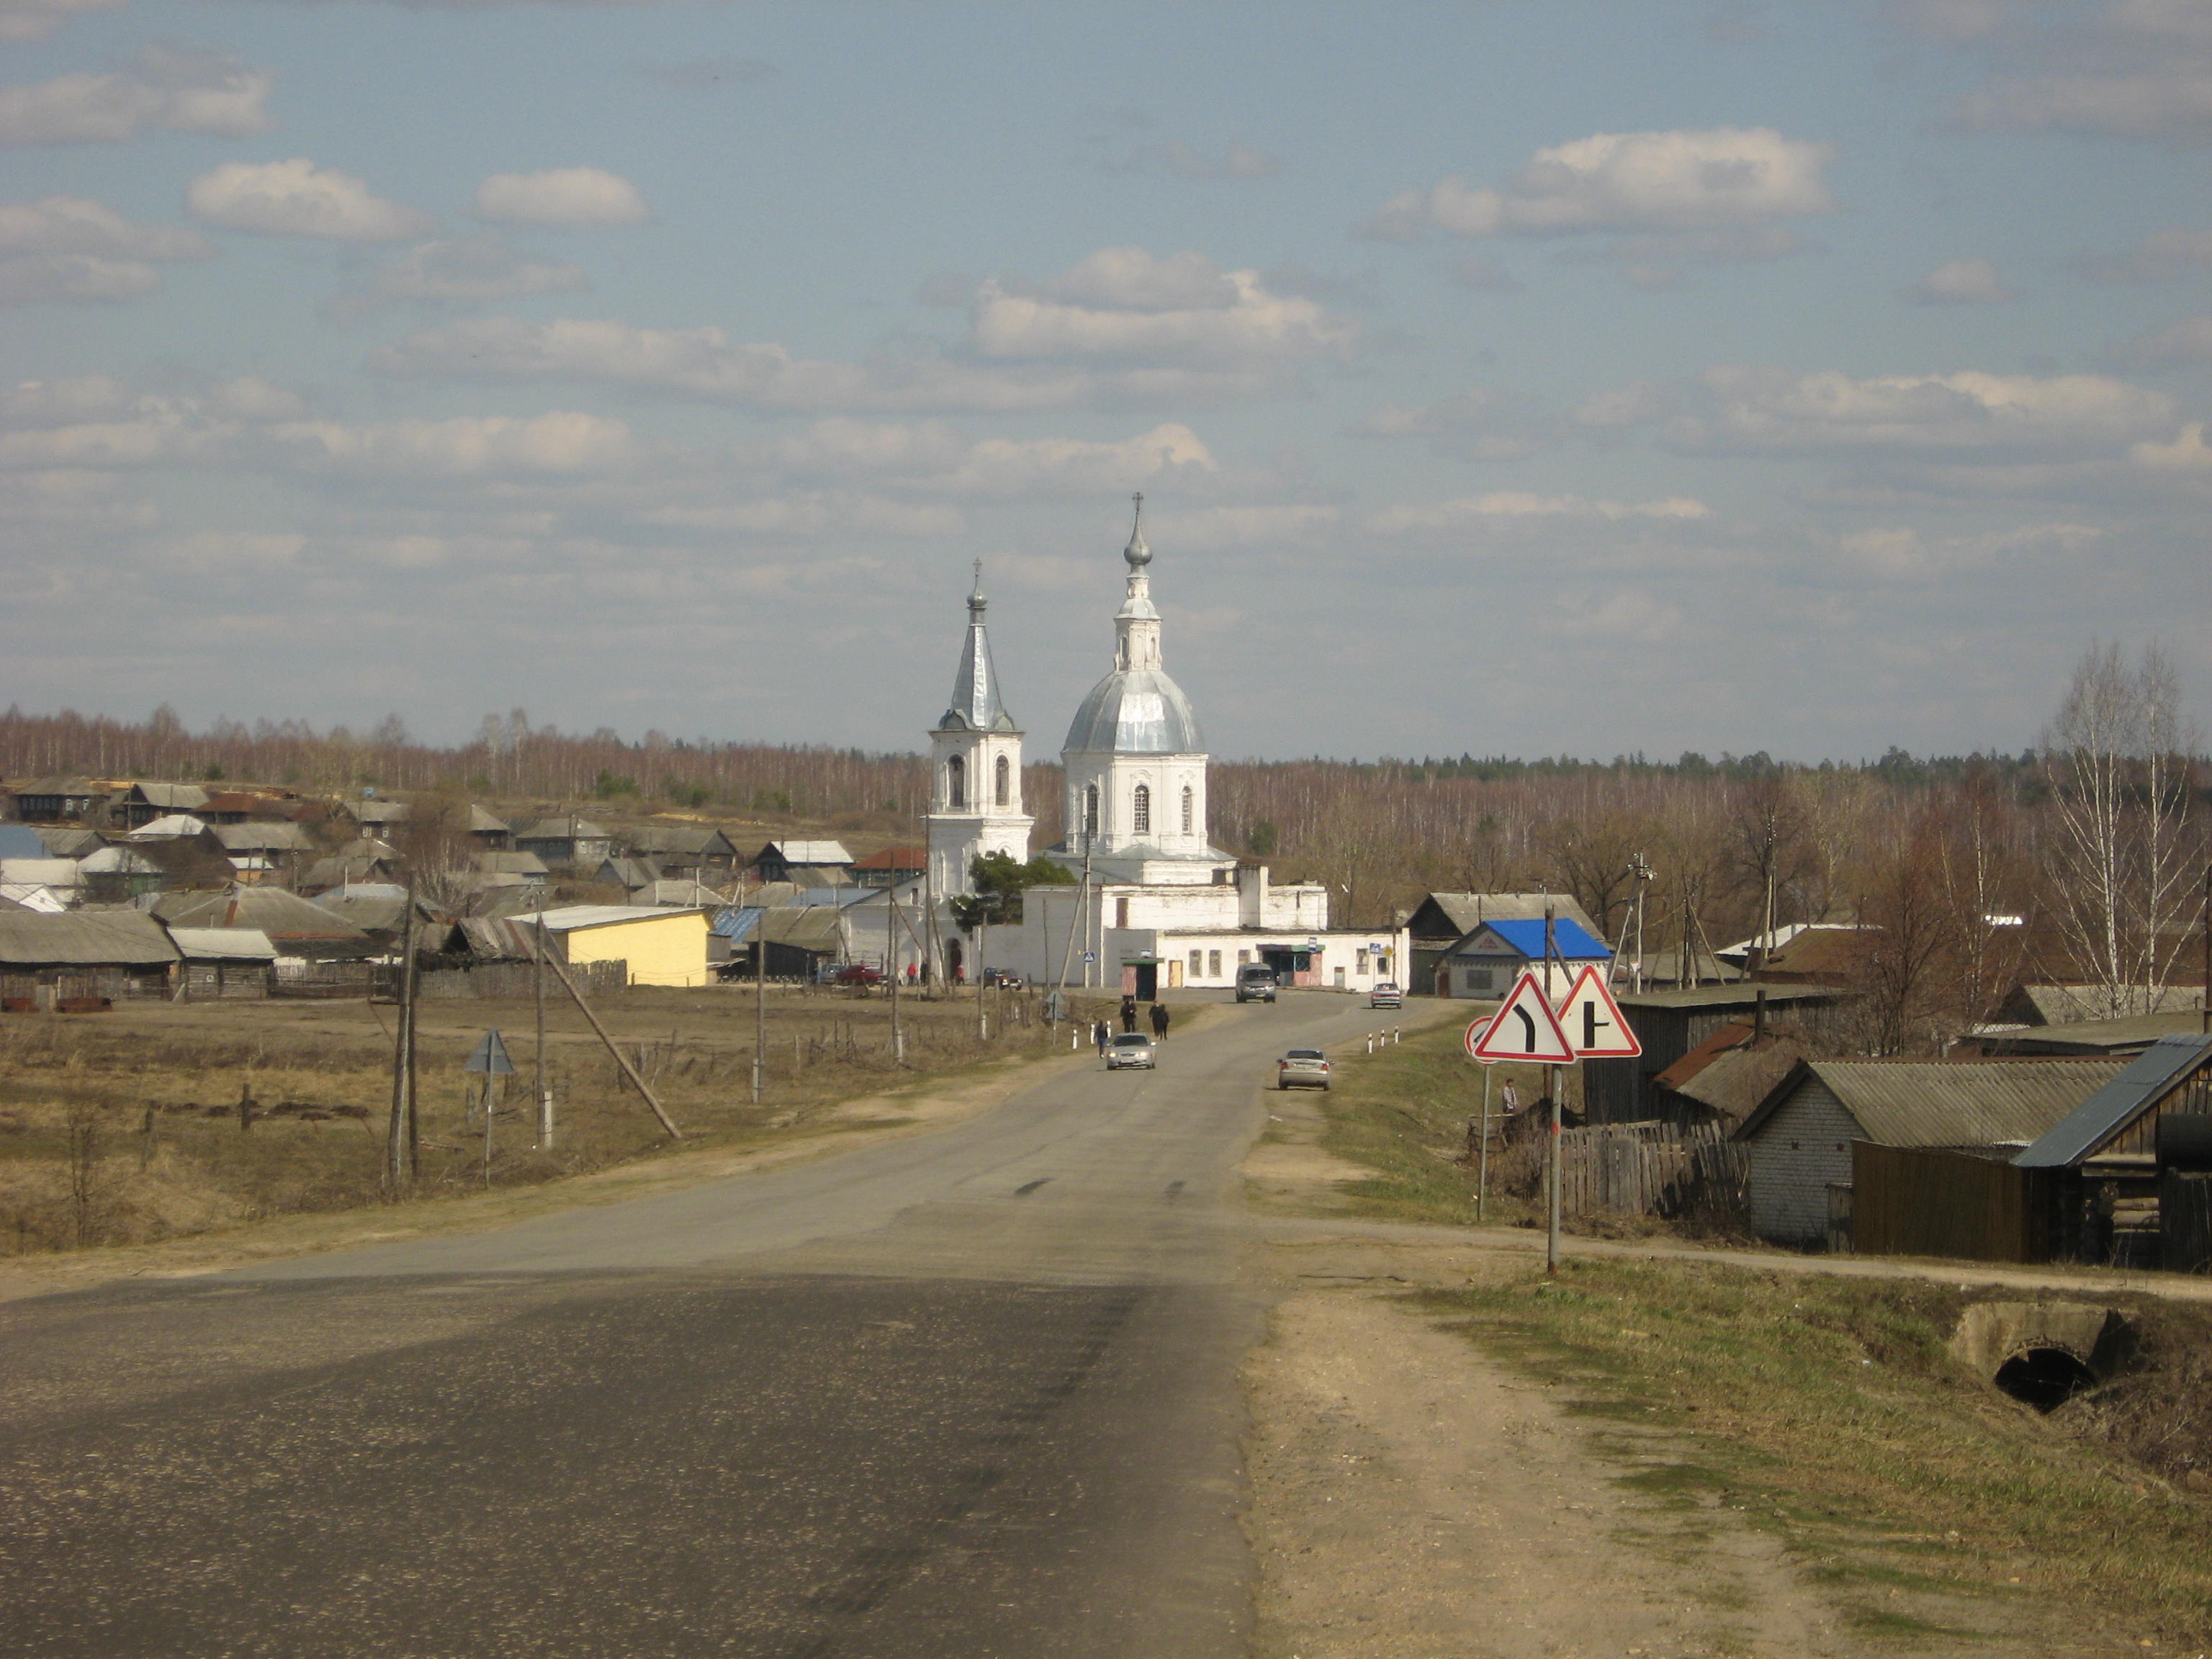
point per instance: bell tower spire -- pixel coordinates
(976, 756)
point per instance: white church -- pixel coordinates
(1155, 906)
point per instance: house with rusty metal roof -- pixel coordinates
(1799, 1135)
(297, 927)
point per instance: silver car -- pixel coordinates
(1131, 1049)
(1301, 1068)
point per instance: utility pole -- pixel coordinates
(1068, 956)
(983, 903)
(2205, 1009)
(891, 968)
(760, 1006)
(545, 1088)
(1551, 1244)
(399, 1148)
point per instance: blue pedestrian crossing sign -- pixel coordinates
(490, 1055)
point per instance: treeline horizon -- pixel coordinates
(2094, 842)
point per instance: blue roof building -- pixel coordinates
(1489, 958)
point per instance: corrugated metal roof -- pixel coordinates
(33, 895)
(269, 835)
(108, 939)
(43, 873)
(2139, 1086)
(1949, 1102)
(1468, 911)
(223, 944)
(482, 823)
(173, 827)
(171, 797)
(20, 840)
(1738, 996)
(816, 928)
(810, 852)
(2098, 1036)
(572, 916)
(285, 917)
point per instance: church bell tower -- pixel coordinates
(975, 767)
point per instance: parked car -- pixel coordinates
(1131, 1049)
(1256, 983)
(1301, 1068)
(1003, 978)
(858, 974)
(1386, 996)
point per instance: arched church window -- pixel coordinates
(956, 783)
(1140, 811)
(1091, 810)
(1189, 804)
(1006, 792)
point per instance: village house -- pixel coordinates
(1669, 1024)
(810, 863)
(565, 843)
(892, 866)
(1485, 963)
(1441, 920)
(140, 804)
(1800, 1136)
(55, 800)
(46, 961)
(661, 946)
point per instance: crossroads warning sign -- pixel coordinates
(1593, 1022)
(1526, 1029)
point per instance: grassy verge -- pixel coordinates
(1403, 1112)
(1830, 1412)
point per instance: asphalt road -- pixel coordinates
(967, 1394)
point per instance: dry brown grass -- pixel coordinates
(123, 1128)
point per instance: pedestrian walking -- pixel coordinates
(1159, 1022)
(1103, 1035)
(1511, 1096)
(1129, 1013)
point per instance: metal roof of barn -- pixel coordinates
(1946, 1102)
(223, 944)
(572, 916)
(1742, 995)
(105, 939)
(2138, 1086)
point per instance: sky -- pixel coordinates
(1520, 379)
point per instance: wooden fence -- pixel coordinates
(518, 979)
(1908, 1200)
(2184, 1220)
(1649, 1169)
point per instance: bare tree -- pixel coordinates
(2116, 759)
(1770, 847)
(1908, 938)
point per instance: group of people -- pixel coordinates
(1103, 1034)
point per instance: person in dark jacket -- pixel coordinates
(1129, 1013)
(1102, 1033)
(1159, 1022)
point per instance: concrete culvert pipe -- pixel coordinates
(2045, 1378)
(2042, 1353)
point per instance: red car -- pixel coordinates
(858, 975)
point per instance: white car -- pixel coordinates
(1301, 1068)
(1131, 1049)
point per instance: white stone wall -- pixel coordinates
(957, 837)
(1795, 1155)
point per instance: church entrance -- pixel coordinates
(953, 958)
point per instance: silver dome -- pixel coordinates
(1135, 711)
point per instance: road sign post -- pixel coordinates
(1473, 1042)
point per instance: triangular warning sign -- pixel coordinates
(1526, 1029)
(1593, 1022)
(490, 1055)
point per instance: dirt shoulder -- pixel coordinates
(895, 1115)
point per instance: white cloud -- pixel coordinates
(1960, 283)
(1902, 553)
(2126, 69)
(1633, 181)
(1075, 467)
(815, 513)
(561, 442)
(1133, 279)
(2188, 455)
(702, 362)
(35, 20)
(1774, 410)
(73, 248)
(465, 271)
(2188, 341)
(297, 198)
(165, 87)
(565, 195)
(1637, 404)
(1122, 302)
(1508, 505)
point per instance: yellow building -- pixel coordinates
(662, 947)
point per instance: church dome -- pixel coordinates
(1135, 711)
